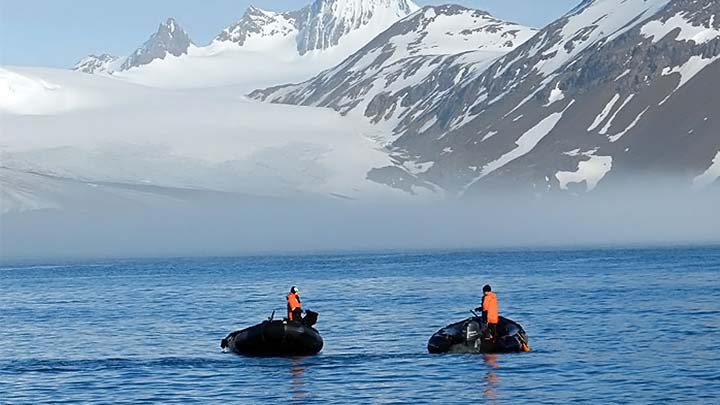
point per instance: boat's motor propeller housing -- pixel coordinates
(472, 331)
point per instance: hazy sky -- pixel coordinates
(58, 33)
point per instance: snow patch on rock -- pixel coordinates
(709, 176)
(604, 113)
(555, 95)
(614, 138)
(489, 135)
(607, 126)
(657, 30)
(590, 171)
(687, 71)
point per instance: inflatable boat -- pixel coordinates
(277, 338)
(467, 337)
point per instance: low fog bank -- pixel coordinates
(219, 224)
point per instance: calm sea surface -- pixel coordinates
(604, 325)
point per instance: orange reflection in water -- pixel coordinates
(296, 381)
(491, 378)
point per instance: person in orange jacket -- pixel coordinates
(489, 310)
(293, 305)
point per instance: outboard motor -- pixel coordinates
(310, 318)
(472, 331)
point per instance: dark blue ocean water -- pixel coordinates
(604, 325)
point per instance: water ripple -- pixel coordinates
(636, 326)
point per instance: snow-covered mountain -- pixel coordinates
(405, 55)
(102, 63)
(319, 26)
(263, 47)
(615, 88)
(169, 39)
(324, 23)
(256, 26)
(446, 99)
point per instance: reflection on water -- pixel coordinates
(491, 378)
(297, 384)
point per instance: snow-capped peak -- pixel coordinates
(451, 29)
(258, 23)
(358, 12)
(170, 38)
(256, 11)
(319, 26)
(96, 63)
(325, 22)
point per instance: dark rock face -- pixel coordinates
(170, 39)
(396, 177)
(613, 89)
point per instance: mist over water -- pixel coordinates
(230, 224)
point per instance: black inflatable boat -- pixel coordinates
(466, 337)
(277, 338)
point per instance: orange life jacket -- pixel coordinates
(292, 304)
(489, 304)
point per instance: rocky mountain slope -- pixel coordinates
(403, 56)
(615, 88)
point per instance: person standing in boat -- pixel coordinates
(489, 308)
(293, 305)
